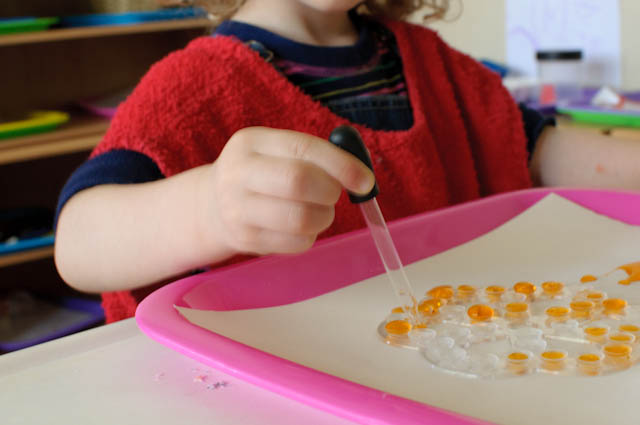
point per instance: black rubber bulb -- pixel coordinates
(347, 138)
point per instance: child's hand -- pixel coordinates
(273, 191)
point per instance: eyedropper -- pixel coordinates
(348, 139)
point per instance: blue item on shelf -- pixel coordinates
(25, 244)
(28, 320)
(129, 18)
(496, 67)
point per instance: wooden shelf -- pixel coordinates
(25, 256)
(80, 134)
(103, 31)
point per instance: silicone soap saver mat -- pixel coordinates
(305, 326)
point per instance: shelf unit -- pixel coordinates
(26, 256)
(102, 31)
(67, 51)
(80, 134)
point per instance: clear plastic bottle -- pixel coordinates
(561, 76)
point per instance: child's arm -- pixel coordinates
(270, 191)
(577, 157)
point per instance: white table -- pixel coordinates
(117, 375)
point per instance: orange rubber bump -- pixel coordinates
(553, 360)
(552, 288)
(494, 292)
(588, 278)
(589, 358)
(398, 327)
(596, 331)
(633, 329)
(554, 355)
(517, 307)
(589, 364)
(617, 350)
(466, 291)
(480, 313)
(429, 307)
(517, 311)
(526, 288)
(595, 296)
(517, 363)
(582, 306)
(405, 310)
(441, 292)
(518, 356)
(614, 305)
(557, 312)
(619, 355)
(622, 338)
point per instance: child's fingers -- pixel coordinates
(352, 174)
(292, 179)
(296, 218)
(256, 240)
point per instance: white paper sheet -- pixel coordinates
(553, 240)
(590, 25)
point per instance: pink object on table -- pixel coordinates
(101, 111)
(105, 106)
(331, 265)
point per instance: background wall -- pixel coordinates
(480, 31)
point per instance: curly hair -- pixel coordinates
(400, 9)
(396, 9)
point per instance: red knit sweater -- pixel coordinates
(467, 139)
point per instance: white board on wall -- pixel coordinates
(592, 26)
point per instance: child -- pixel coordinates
(221, 150)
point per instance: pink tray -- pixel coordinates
(331, 265)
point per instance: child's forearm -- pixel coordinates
(115, 237)
(577, 157)
(269, 191)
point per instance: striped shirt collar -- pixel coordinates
(358, 54)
